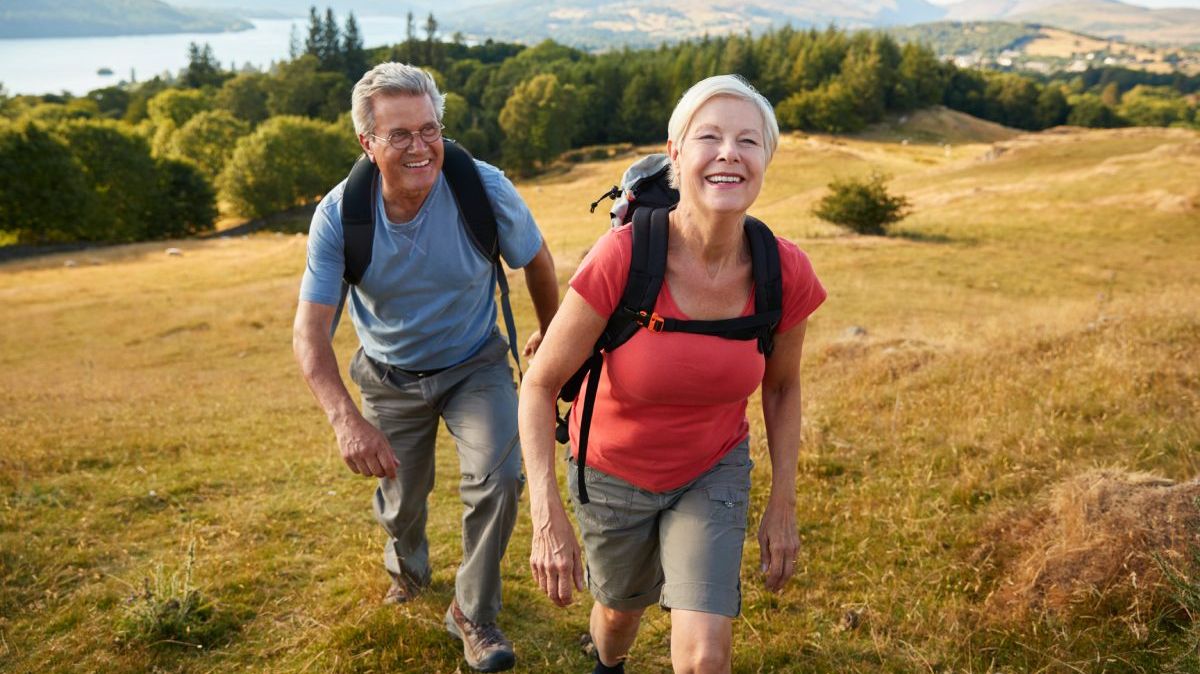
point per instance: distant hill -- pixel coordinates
(1039, 48)
(87, 18)
(1104, 18)
(615, 23)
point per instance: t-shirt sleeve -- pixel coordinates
(802, 290)
(520, 238)
(326, 261)
(600, 279)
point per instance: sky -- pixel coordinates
(1144, 3)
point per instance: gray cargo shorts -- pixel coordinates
(681, 548)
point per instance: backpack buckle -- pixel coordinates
(651, 321)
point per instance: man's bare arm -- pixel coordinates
(364, 449)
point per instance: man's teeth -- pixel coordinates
(723, 179)
(417, 164)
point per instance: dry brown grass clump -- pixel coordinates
(1095, 548)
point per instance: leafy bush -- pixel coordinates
(245, 96)
(43, 194)
(286, 161)
(862, 205)
(187, 203)
(207, 140)
(177, 106)
(538, 120)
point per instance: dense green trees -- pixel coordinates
(95, 180)
(207, 140)
(43, 196)
(287, 160)
(538, 120)
(516, 106)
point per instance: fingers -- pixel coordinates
(388, 463)
(564, 571)
(553, 577)
(780, 562)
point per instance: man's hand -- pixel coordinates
(532, 344)
(364, 449)
(779, 544)
(555, 559)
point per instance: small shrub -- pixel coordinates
(170, 610)
(862, 205)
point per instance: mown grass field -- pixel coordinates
(1037, 316)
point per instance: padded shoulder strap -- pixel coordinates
(768, 278)
(358, 218)
(647, 267)
(467, 187)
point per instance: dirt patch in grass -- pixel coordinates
(1096, 546)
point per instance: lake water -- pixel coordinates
(54, 65)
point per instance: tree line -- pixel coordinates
(263, 142)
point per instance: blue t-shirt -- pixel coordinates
(427, 300)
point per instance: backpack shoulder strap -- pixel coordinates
(482, 229)
(768, 278)
(647, 268)
(358, 218)
(358, 228)
(467, 187)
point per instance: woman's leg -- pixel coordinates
(701, 643)
(613, 632)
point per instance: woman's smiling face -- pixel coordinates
(721, 158)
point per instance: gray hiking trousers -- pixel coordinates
(478, 400)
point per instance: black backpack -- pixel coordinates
(358, 224)
(645, 189)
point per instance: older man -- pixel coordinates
(425, 313)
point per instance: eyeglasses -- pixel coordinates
(402, 140)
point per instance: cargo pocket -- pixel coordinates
(728, 504)
(607, 507)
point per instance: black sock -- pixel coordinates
(602, 668)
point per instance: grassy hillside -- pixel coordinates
(1037, 316)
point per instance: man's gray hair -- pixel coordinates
(389, 79)
(720, 85)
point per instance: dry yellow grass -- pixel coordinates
(1037, 316)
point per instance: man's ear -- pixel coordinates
(366, 147)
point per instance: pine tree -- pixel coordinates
(431, 26)
(410, 40)
(354, 59)
(312, 43)
(330, 44)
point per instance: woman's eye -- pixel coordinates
(749, 141)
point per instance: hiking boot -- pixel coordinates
(402, 591)
(484, 645)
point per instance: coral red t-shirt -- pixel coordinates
(669, 405)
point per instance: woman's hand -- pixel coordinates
(779, 543)
(555, 559)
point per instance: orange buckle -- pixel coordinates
(655, 323)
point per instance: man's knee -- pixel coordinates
(501, 485)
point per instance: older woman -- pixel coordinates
(668, 466)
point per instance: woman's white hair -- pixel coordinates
(389, 79)
(720, 85)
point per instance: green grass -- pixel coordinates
(1019, 333)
